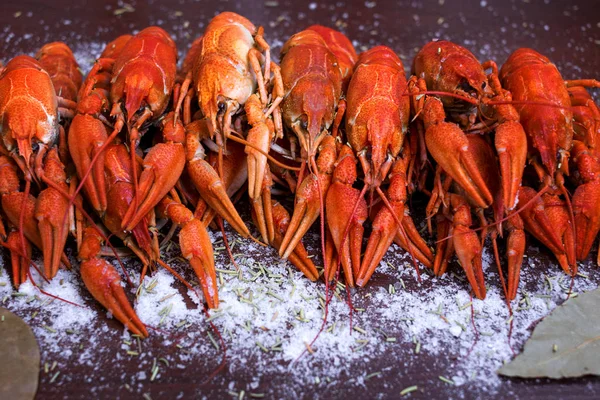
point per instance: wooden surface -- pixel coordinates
(567, 32)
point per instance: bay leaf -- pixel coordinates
(20, 358)
(565, 344)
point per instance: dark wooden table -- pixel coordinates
(567, 32)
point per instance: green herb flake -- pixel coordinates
(408, 390)
(54, 376)
(263, 348)
(154, 373)
(213, 341)
(360, 330)
(372, 375)
(46, 327)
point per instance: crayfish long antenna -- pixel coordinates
(269, 157)
(329, 296)
(474, 327)
(313, 165)
(446, 94)
(175, 274)
(401, 229)
(528, 103)
(477, 102)
(507, 217)
(205, 310)
(226, 242)
(42, 291)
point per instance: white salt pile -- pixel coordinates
(269, 315)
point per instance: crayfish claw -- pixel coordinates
(104, 283)
(197, 249)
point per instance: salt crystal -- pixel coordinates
(456, 330)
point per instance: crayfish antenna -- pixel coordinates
(328, 292)
(226, 243)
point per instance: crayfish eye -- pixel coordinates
(221, 107)
(483, 85)
(465, 86)
(304, 123)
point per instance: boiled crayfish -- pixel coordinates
(327, 126)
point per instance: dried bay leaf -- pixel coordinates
(565, 344)
(20, 358)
